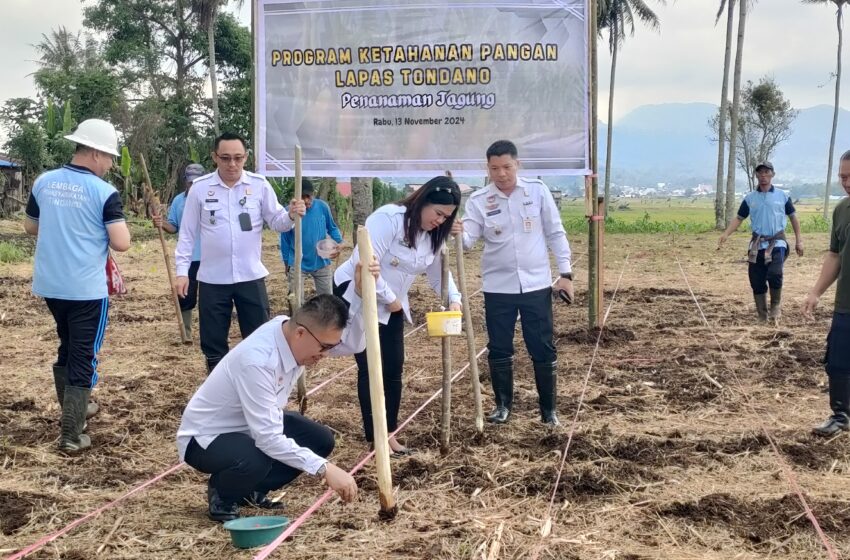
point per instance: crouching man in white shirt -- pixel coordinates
(234, 427)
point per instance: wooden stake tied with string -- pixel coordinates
(153, 199)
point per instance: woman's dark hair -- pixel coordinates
(439, 190)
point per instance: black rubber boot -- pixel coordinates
(74, 406)
(761, 306)
(502, 378)
(546, 380)
(220, 510)
(839, 402)
(60, 378)
(775, 303)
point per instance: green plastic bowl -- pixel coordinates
(250, 532)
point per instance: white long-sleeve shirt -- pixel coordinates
(517, 230)
(212, 211)
(248, 390)
(400, 264)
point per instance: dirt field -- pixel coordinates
(664, 464)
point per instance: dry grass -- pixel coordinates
(664, 463)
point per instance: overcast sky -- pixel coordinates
(791, 41)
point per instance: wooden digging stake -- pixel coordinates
(155, 201)
(446, 419)
(376, 377)
(470, 335)
(297, 291)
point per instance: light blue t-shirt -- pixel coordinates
(175, 216)
(768, 212)
(316, 224)
(72, 207)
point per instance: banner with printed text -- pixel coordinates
(417, 87)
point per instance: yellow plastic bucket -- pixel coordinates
(444, 323)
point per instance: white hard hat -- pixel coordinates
(97, 134)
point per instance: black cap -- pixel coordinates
(766, 165)
(307, 187)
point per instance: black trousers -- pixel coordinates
(535, 313)
(81, 326)
(837, 358)
(762, 275)
(216, 307)
(391, 337)
(188, 302)
(238, 468)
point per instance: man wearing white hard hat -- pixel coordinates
(77, 217)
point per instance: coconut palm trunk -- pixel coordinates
(610, 139)
(839, 24)
(736, 109)
(719, 191)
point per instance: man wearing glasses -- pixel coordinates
(226, 211)
(235, 427)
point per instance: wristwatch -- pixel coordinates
(322, 469)
(567, 275)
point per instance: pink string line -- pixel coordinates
(327, 495)
(780, 459)
(33, 547)
(584, 391)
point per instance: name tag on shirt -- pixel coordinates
(527, 202)
(494, 212)
(211, 200)
(526, 225)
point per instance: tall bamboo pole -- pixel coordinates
(600, 264)
(446, 418)
(470, 335)
(154, 199)
(593, 242)
(297, 290)
(376, 376)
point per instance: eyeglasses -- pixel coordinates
(324, 345)
(235, 159)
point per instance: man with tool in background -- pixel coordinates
(172, 225)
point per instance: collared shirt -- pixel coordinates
(517, 230)
(72, 206)
(400, 264)
(212, 214)
(768, 212)
(248, 390)
(175, 216)
(316, 224)
(839, 243)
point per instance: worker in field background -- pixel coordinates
(172, 225)
(77, 217)
(836, 268)
(769, 209)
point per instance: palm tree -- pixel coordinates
(361, 203)
(736, 109)
(839, 23)
(207, 14)
(719, 192)
(61, 50)
(619, 17)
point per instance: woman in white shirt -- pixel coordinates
(406, 239)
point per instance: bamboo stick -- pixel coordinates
(297, 295)
(376, 377)
(600, 264)
(470, 335)
(155, 201)
(446, 418)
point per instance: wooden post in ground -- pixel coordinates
(376, 377)
(470, 335)
(154, 199)
(296, 295)
(446, 418)
(593, 180)
(600, 263)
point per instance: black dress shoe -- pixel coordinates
(221, 510)
(833, 425)
(499, 416)
(261, 500)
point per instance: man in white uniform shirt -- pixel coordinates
(226, 210)
(518, 220)
(235, 427)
